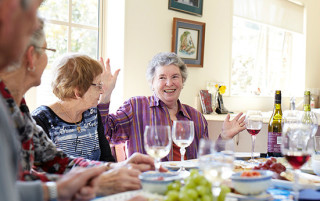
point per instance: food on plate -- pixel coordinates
(250, 174)
(173, 164)
(289, 175)
(271, 164)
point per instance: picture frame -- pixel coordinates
(193, 7)
(188, 41)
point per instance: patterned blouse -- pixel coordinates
(89, 142)
(128, 123)
(38, 154)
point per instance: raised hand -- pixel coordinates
(232, 128)
(109, 81)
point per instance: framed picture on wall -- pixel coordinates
(188, 41)
(193, 7)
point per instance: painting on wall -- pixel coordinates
(193, 7)
(188, 41)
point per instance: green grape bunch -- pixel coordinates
(196, 188)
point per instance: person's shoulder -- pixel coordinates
(138, 99)
(41, 109)
(192, 111)
(43, 112)
(189, 108)
(91, 112)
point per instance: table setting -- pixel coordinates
(219, 173)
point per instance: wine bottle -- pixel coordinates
(307, 99)
(308, 116)
(275, 129)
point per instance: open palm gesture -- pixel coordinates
(109, 81)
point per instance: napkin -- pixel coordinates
(309, 194)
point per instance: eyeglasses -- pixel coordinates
(44, 48)
(100, 85)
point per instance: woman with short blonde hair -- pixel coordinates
(74, 123)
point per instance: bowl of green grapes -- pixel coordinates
(195, 187)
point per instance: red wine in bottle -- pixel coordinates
(275, 129)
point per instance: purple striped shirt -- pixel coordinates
(128, 123)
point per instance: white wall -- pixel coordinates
(148, 30)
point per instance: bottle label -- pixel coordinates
(274, 142)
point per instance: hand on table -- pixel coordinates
(232, 128)
(79, 183)
(109, 81)
(141, 162)
(119, 180)
(138, 198)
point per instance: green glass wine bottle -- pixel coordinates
(307, 107)
(275, 128)
(308, 116)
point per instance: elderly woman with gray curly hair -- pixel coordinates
(166, 74)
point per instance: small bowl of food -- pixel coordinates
(157, 182)
(252, 182)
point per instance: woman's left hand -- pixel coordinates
(232, 128)
(109, 81)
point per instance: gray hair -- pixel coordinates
(37, 40)
(38, 37)
(165, 59)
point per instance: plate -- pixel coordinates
(245, 155)
(175, 165)
(306, 181)
(128, 195)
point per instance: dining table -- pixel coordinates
(279, 190)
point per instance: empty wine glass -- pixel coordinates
(295, 147)
(157, 142)
(254, 122)
(310, 117)
(183, 135)
(216, 162)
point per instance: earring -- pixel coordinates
(31, 69)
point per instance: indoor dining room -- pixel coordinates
(165, 100)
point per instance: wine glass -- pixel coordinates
(157, 142)
(182, 136)
(296, 134)
(216, 162)
(310, 117)
(253, 123)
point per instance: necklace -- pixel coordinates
(77, 124)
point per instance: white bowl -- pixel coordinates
(155, 182)
(315, 164)
(252, 185)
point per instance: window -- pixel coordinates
(74, 28)
(266, 55)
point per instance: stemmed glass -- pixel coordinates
(157, 142)
(295, 147)
(183, 135)
(216, 162)
(253, 123)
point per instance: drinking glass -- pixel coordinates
(216, 162)
(295, 147)
(183, 135)
(253, 123)
(316, 141)
(157, 142)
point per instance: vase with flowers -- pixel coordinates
(219, 106)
